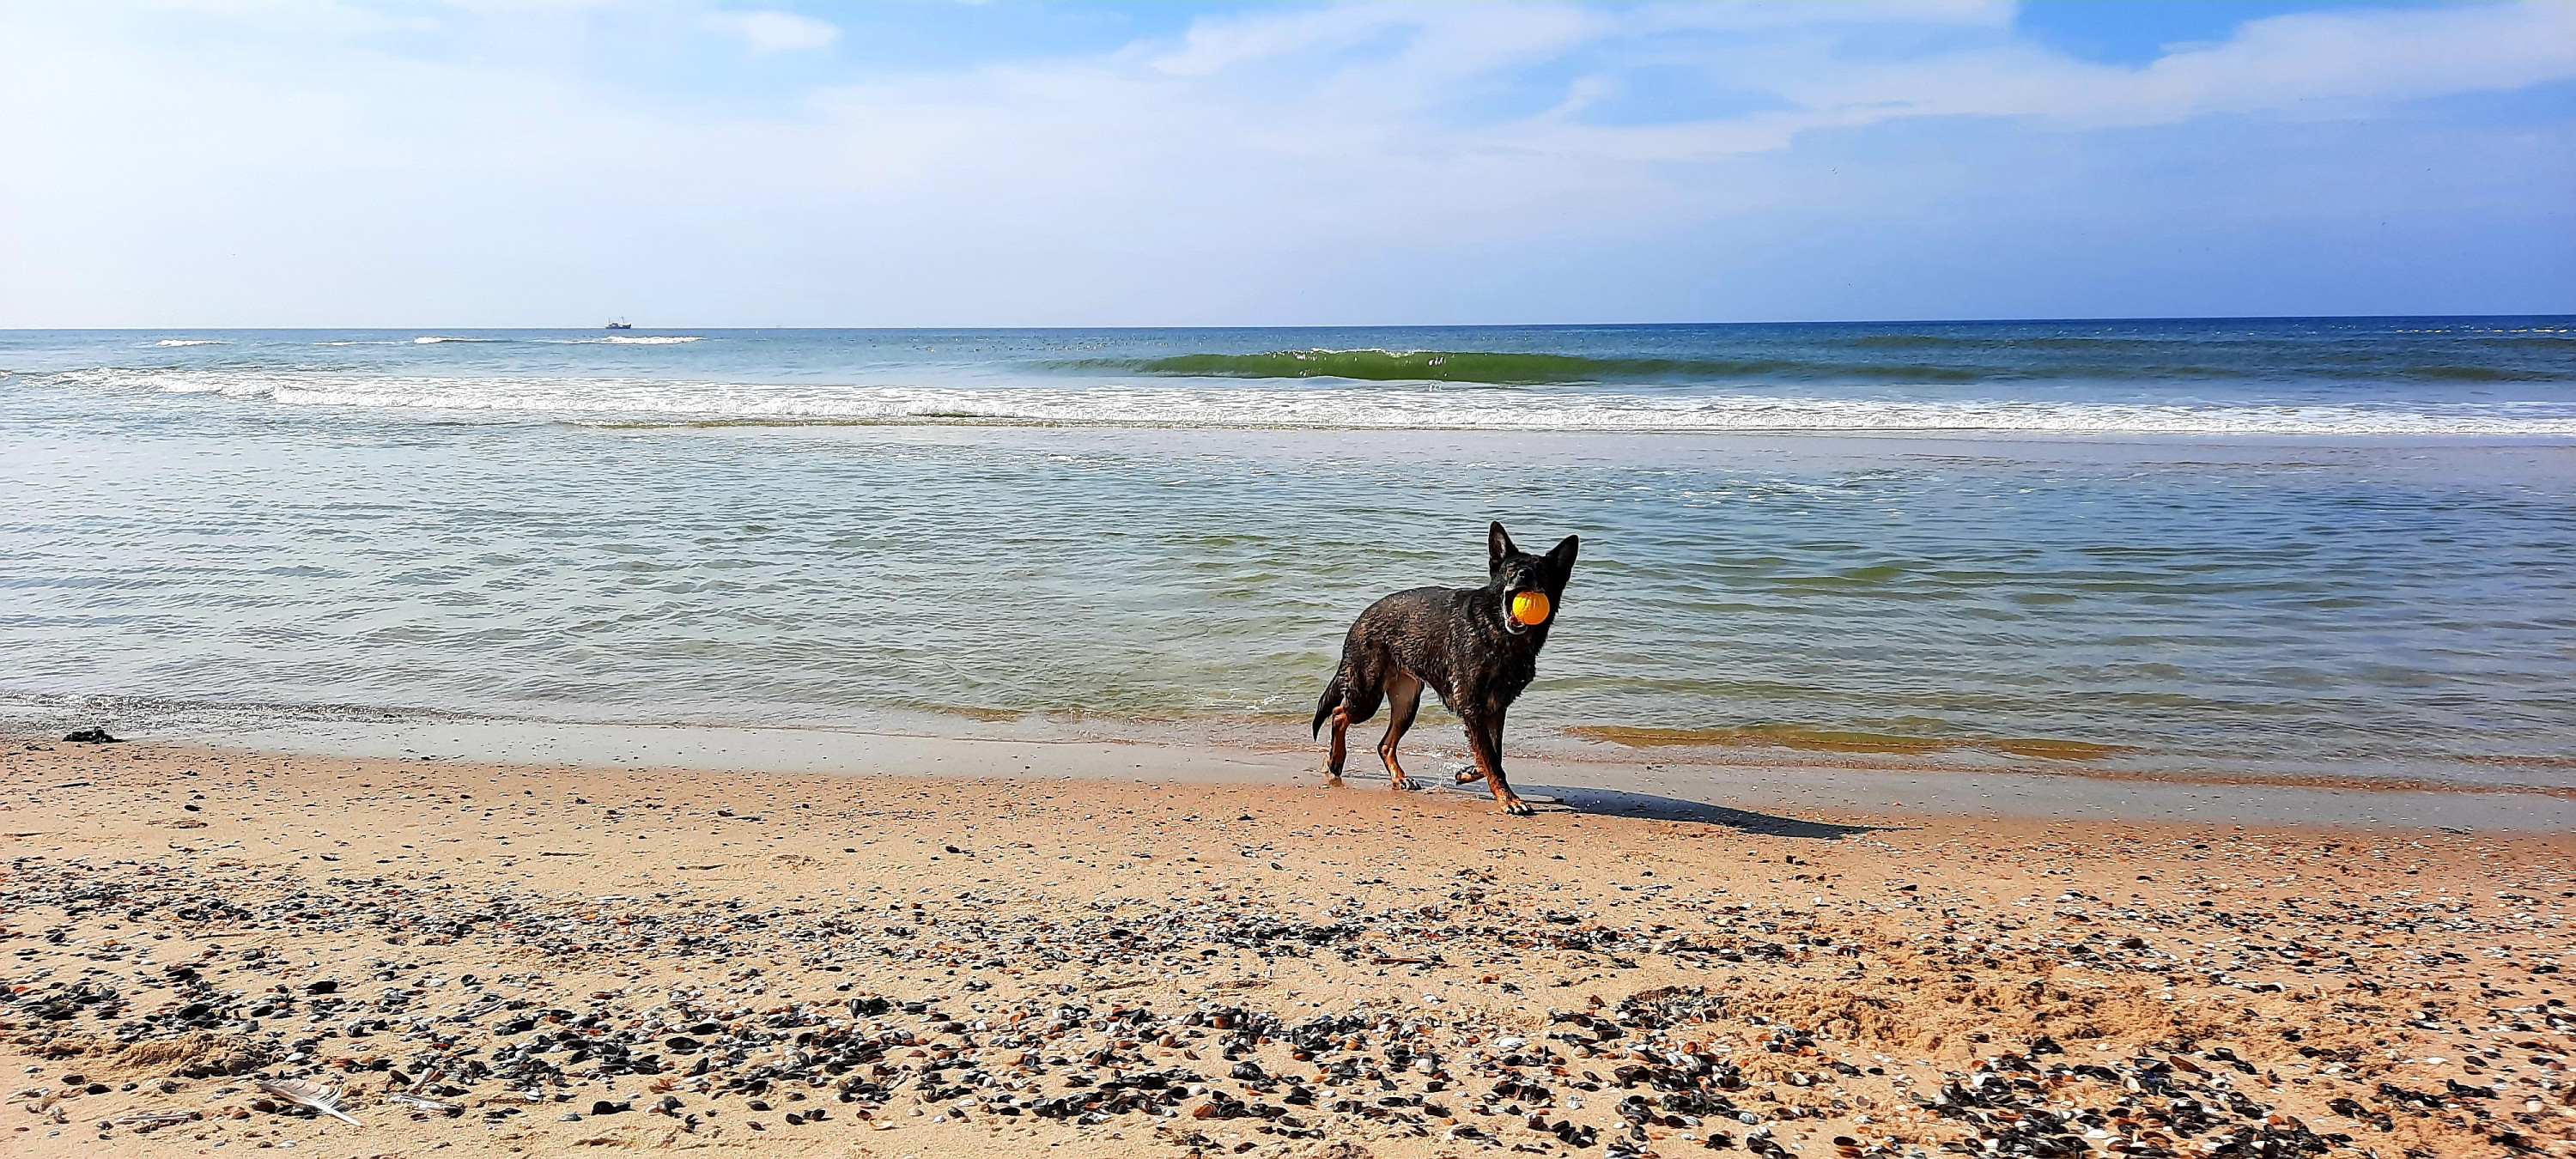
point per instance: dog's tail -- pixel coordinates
(1332, 699)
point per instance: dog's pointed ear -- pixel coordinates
(1498, 547)
(1560, 559)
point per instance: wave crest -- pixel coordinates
(1499, 369)
(661, 402)
(1954, 360)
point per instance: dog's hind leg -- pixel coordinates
(1360, 693)
(1403, 697)
(1485, 740)
(1340, 750)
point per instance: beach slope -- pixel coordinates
(519, 959)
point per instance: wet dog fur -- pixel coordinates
(1461, 643)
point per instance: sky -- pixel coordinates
(924, 163)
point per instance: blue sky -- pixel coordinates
(683, 163)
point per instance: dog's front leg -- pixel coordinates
(1475, 772)
(1485, 740)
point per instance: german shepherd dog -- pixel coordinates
(1462, 642)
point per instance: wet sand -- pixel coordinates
(520, 957)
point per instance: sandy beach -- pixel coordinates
(523, 958)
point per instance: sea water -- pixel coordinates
(2293, 544)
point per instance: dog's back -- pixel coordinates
(1429, 633)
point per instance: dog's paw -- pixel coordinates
(1470, 774)
(1332, 780)
(1518, 808)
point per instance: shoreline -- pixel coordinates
(1647, 779)
(546, 958)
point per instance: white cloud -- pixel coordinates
(1390, 80)
(2346, 61)
(775, 31)
(348, 161)
(1293, 89)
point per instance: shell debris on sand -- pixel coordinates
(1004, 968)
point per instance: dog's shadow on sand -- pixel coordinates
(1616, 803)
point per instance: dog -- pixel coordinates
(1465, 644)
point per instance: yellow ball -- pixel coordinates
(1530, 608)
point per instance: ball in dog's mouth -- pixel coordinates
(1530, 608)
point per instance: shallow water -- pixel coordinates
(550, 525)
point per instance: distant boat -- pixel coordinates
(621, 324)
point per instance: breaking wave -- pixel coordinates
(638, 401)
(1971, 360)
(1433, 366)
(1501, 369)
(192, 342)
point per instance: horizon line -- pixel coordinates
(417, 327)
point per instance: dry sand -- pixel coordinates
(558, 960)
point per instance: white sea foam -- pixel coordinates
(192, 342)
(1355, 408)
(427, 339)
(647, 339)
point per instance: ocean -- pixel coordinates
(2254, 546)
